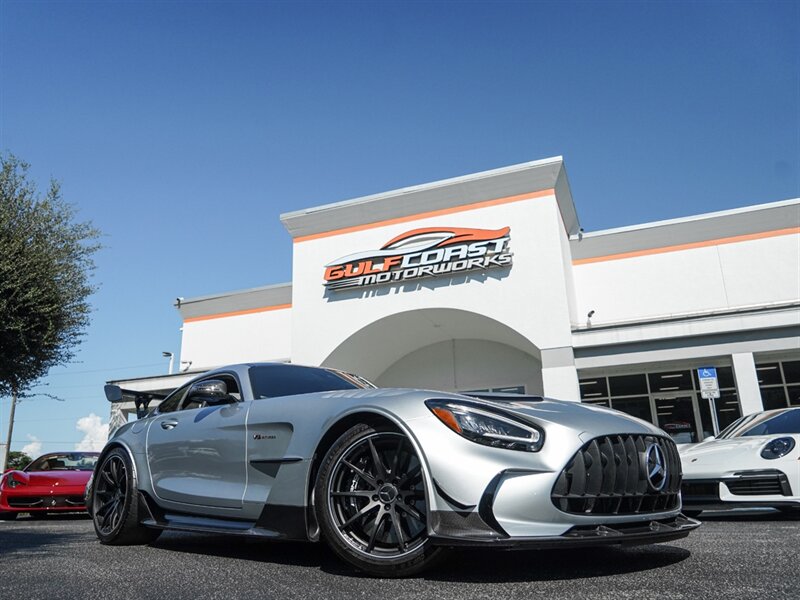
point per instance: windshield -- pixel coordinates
(68, 461)
(271, 381)
(766, 423)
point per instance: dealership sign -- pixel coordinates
(427, 252)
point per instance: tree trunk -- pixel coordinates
(10, 428)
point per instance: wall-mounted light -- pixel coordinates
(171, 358)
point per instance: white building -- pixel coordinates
(487, 282)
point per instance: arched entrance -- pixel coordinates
(440, 348)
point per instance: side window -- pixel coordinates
(271, 381)
(233, 386)
(785, 422)
(171, 402)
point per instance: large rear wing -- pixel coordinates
(141, 400)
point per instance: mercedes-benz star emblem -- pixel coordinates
(656, 467)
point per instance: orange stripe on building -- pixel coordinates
(690, 246)
(236, 313)
(427, 215)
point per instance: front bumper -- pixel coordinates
(625, 534)
(27, 500)
(755, 488)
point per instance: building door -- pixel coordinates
(677, 415)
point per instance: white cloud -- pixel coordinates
(34, 449)
(95, 433)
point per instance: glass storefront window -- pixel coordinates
(637, 407)
(773, 397)
(769, 374)
(794, 394)
(727, 408)
(791, 371)
(593, 387)
(670, 381)
(706, 424)
(628, 385)
(601, 402)
(675, 396)
(676, 417)
(778, 383)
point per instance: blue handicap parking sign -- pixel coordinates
(707, 372)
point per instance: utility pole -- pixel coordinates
(10, 428)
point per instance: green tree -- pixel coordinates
(18, 460)
(45, 280)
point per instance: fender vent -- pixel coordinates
(608, 476)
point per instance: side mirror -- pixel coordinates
(113, 393)
(709, 438)
(210, 392)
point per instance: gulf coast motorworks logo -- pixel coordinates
(426, 252)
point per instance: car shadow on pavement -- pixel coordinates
(475, 565)
(493, 566)
(289, 553)
(54, 517)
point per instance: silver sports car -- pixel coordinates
(389, 478)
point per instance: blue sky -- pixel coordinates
(183, 130)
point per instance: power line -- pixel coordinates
(48, 419)
(108, 369)
(26, 442)
(60, 387)
(81, 399)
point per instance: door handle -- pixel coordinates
(170, 424)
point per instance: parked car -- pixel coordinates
(389, 478)
(752, 463)
(53, 483)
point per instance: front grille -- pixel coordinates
(45, 501)
(25, 501)
(608, 477)
(758, 486)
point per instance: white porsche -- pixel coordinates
(754, 462)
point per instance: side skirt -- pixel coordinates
(291, 522)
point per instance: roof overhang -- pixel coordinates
(516, 180)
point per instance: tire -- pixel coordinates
(116, 512)
(372, 515)
(8, 516)
(692, 514)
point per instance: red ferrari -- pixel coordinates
(51, 483)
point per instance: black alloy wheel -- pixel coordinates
(115, 503)
(110, 492)
(372, 504)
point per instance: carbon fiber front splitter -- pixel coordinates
(626, 534)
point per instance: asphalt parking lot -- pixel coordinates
(751, 555)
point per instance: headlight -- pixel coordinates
(487, 428)
(11, 482)
(778, 448)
